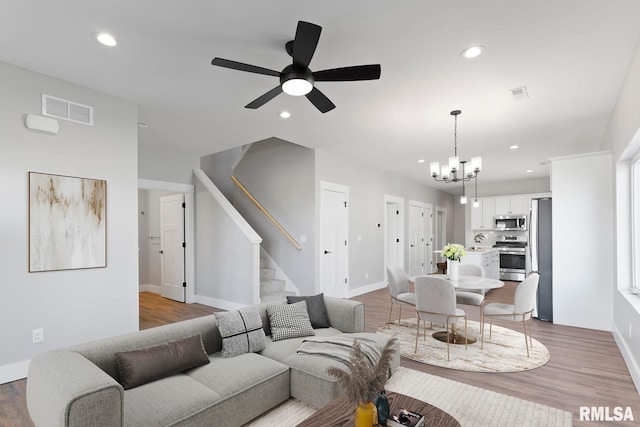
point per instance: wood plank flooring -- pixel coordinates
(586, 367)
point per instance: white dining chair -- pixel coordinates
(520, 311)
(471, 296)
(398, 283)
(436, 303)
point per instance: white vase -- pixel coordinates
(454, 272)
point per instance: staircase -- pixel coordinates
(271, 289)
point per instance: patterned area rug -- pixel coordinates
(471, 406)
(504, 352)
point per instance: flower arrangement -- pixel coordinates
(478, 238)
(453, 251)
(365, 379)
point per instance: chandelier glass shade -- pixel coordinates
(457, 170)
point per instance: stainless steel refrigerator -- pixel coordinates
(541, 255)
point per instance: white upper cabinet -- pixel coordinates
(482, 216)
(512, 205)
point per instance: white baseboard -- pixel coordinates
(627, 355)
(365, 289)
(14, 371)
(218, 303)
(151, 288)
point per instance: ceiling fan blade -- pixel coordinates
(320, 100)
(234, 65)
(260, 101)
(348, 74)
(304, 45)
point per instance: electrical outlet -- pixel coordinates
(37, 335)
(630, 335)
(366, 275)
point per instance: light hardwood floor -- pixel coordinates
(586, 367)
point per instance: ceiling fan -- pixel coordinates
(297, 79)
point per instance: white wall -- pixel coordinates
(583, 241)
(227, 261)
(168, 165)
(623, 126)
(76, 305)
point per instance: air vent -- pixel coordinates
(519, 92)
(66, 110)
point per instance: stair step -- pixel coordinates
(271, 286)
(278, 297)
(267, 273)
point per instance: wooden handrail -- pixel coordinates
(266, 213)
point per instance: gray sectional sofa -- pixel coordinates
(79, 386)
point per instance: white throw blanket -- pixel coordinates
(339, 348)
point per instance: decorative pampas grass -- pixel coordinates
(365, 379)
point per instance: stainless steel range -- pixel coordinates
(513, 256)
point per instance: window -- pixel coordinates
(635, 223)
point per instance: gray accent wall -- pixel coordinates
(280, 175)
(71, 306)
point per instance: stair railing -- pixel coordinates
(266, 213)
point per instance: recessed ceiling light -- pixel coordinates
(106, 39)
(472, 51)
(285, 114)
(421, 161)
(529, 170)
(514, 147)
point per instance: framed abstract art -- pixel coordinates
(67, 222)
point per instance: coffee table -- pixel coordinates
(339, 412)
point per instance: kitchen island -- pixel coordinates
(487, 258)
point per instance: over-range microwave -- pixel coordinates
(510, 222)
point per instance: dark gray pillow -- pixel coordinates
(241, 331)
(147, 364)
(316, 309)
(289, 321)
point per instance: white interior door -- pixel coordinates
(440, 233)
(416, 239)
(334, 254)
(430, 267)
(394, 230)
(172, 247)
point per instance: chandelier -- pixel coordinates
(457, 170)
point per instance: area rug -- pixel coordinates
(471, 406)
(504, 352)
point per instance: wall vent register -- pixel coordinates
(66, 110)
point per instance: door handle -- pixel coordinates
(326, 252)
(160, 252)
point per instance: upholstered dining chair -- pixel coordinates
(520, 311)
(398, 283)
(436, 303)
(471, 296)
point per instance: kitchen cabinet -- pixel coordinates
(488, 258)
(512, 205)
(482, 216)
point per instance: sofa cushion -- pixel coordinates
(166, 401)
(289, 321)
(315, 308)
(241, 331)
(146, 364)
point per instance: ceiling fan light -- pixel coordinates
(297, 87)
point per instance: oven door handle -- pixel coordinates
(512, 253)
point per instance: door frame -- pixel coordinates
(395, 200)
(324, 185)
(189, 232)
(440, 233)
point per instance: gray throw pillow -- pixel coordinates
(316, 309)
(147, 364)
(289, 321)
(241, 331)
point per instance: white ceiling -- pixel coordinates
(572, 55)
